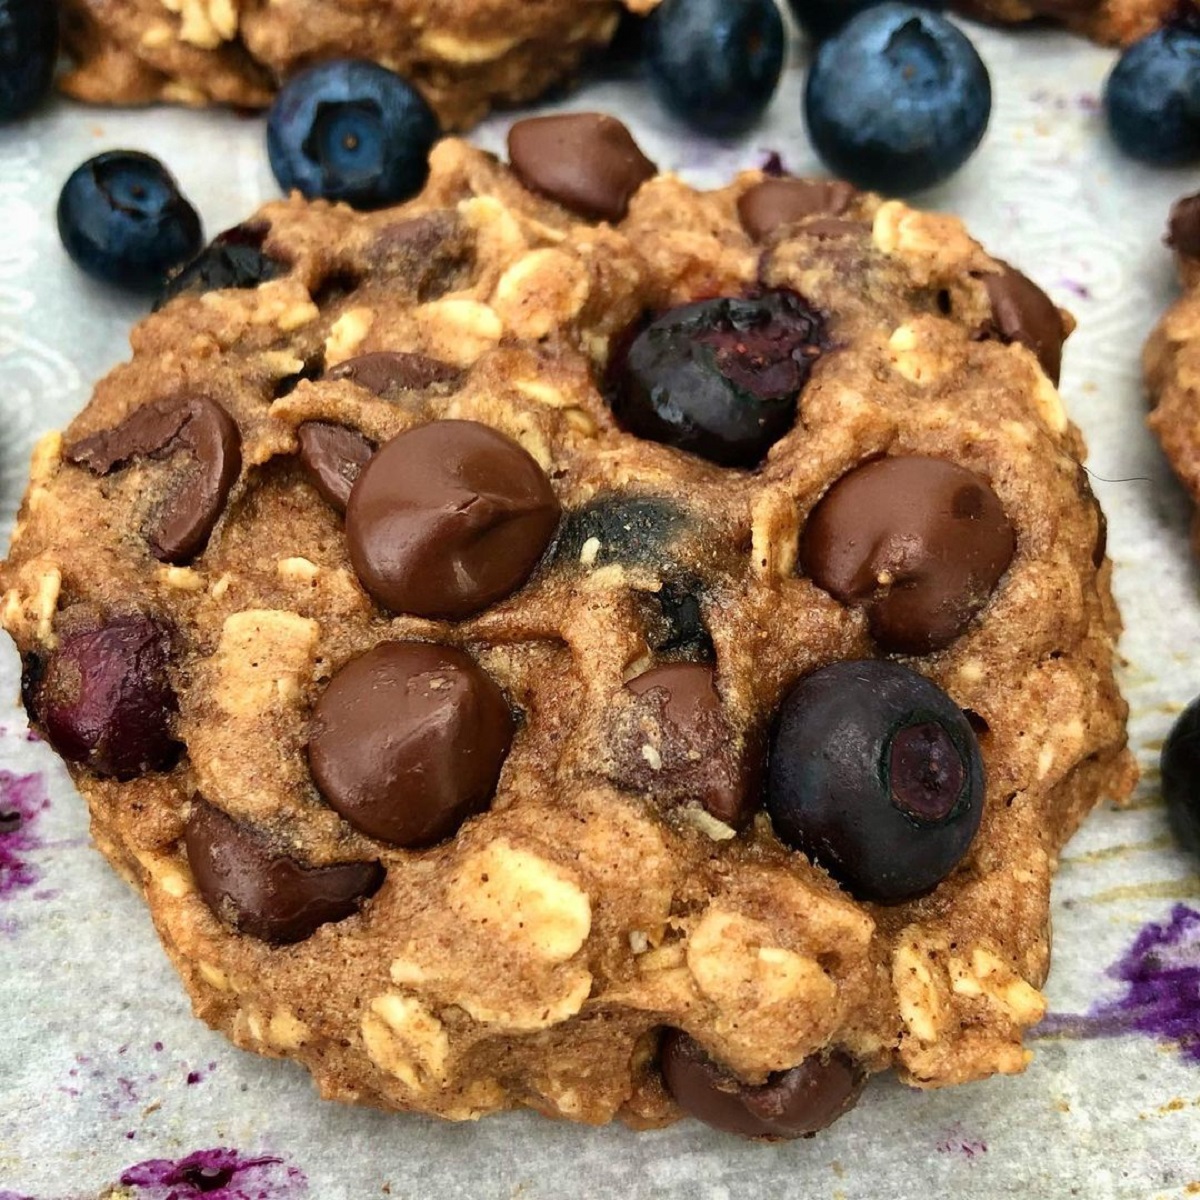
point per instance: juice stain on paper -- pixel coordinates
(217, 1174)
(1161, 971)
(22, 800)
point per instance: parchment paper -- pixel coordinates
(102, 1065)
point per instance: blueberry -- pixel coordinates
(1181, 776)
(876, 775)
(28, 53)
(718, 378)
(105, 699)
(898, 100)
(351, 131)
(122, 219)
(233, 259)
(630, 530)
(715, 63)
(822, 18)
(1152, 98)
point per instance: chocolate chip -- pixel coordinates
(1183, 233)
(448, 518)
(390, 371)
(691, 758)
(333, 456)
(1023, 313)
(408, 741)
(233, 259)
(587, 162)
(919, 542)
(186, 515)
(429, 255)
(773, 203)
(264, 893)
(105, 699)
(791, 1104)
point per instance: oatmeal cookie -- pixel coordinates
(1171, 359)
(578, 642)
(464, 55)
(1112, 22)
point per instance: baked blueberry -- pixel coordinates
(718, 378)
(876, 775)
(1181, 776)
(1152, 97)
(630, 530)
(715, 63)
(28, 52)
(123, 219)
(821, 18)
(352, 131)
(898, 100)
(233, 259)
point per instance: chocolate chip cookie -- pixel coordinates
(464, 56)
(578, 642)
(1171, 356)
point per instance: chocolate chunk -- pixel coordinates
(186, 516)
(692, 757)
(408, 741)
(1183, 233)
(334, 456)
(388, 371)
(919, 542)
(447, 519)
(263, 893)
(587, 162)
(105, 699)
(791, 1104)
(1023, 313)
(773, 203)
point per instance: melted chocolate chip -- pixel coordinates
(774, 203)
(920, 542)
(691, 758)
(1183, 233)
(408, 741)
(266, 894)
(1023, 313)
(587, 162)
(791, 1104)
(105, 699)
(333, 456)
(449, 518)
(187, 514)
(388, 371)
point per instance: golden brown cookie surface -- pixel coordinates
(614, 621)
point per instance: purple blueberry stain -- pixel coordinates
(1161, 973)
(955, 1142)
(22, 801)
(220, 1173)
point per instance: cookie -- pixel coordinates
(1171, 354)
(618, 668)
(464, 57)
(1112, 22)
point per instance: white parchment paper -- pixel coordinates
(102, 1065)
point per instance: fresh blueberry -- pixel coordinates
(823, 18)
(898, 100)
(876, 775)
(1152, 97)
(715, 63)
(718, 378)
(28, 52)
(351, 131)
(233, 259)
(1181, 776)
(122, 219)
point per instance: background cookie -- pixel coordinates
(535, 956)
(464, 56)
